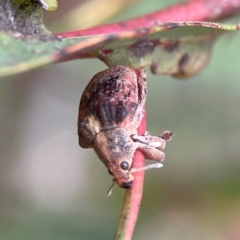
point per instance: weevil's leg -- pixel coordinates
(151, 153)
(156, 142)
(153, 141)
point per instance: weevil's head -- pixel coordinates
(116, 149)
(120, 170)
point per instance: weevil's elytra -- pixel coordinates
(109, 114)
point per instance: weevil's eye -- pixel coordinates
(110, 172)
(124, 165)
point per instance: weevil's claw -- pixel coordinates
(167, 135)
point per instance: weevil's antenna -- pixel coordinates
(154, 165)
(109, 191)
(133, 170)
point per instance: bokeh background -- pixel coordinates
(51, 189)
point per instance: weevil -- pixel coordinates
(110, 111)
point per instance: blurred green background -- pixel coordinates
(51, 189)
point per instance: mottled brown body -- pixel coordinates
(109, 114)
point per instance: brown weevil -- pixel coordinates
(111, 109)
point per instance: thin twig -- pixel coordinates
(191, 10)
(133, 197)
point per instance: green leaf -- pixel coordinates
(175, 48)
(181, 49)
(49, 5)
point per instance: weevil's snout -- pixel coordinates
(126, 184)
(123, 183)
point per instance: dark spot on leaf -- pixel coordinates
(171, 46)
(183, 61)
(181, 72)
(156, 41)
(154, 67)
(142, 48)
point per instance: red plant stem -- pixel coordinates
(133, 197)
(194, 10)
